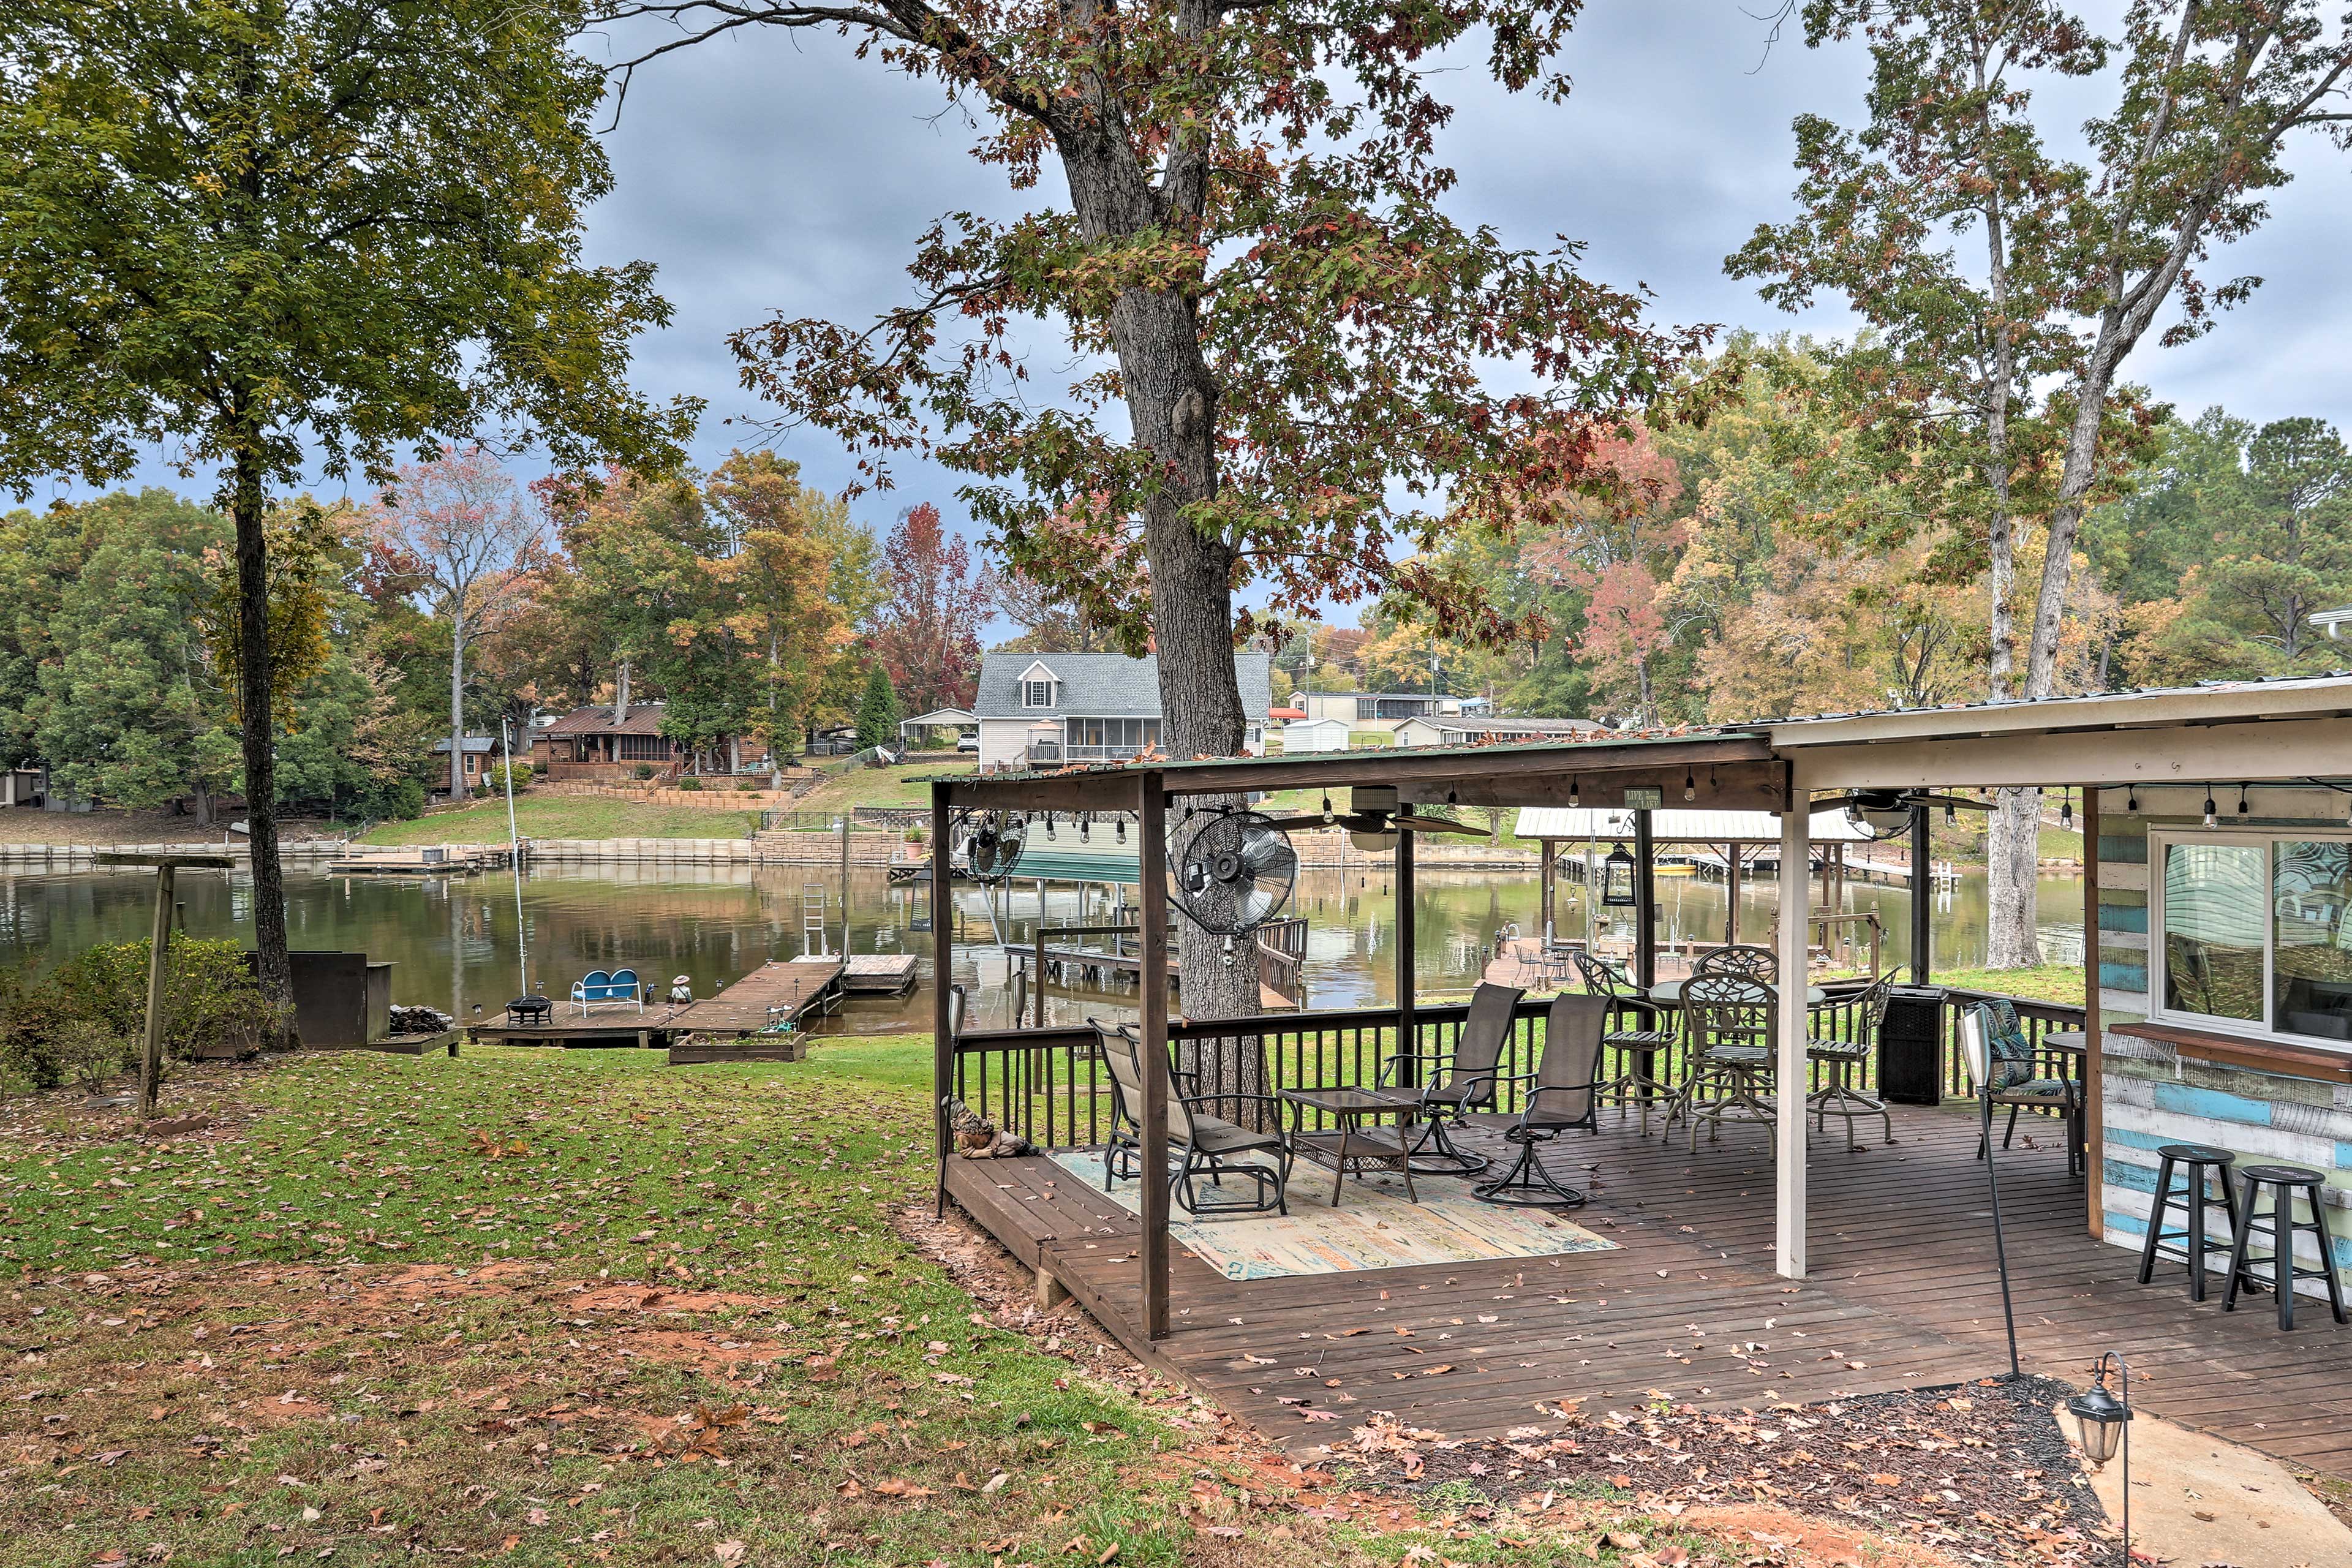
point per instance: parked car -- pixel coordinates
(968, 743)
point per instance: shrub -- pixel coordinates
(523, 773)
(211, 998)
(644, 770)
(31, 1015)
(92, 1055)
(689, 782)
(749, 786)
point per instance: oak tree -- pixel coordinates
(282, 234)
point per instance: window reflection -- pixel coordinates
(2213, 900)
(2311, 965)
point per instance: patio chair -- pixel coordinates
(1637, 1048)
(592, 988)
(1211, 1146)
(1459, 1083)
(1561, 1093)
(1728, 1019)
(625, 988)
(1999, 1059)
(1840, 1056)
(1743, 961)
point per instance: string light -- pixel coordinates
(2065, 811)
(2131, 799)
(1049, 827)
(1082, 828)
(2241, 800)
(1120, 829)
(1572, 796)
(2209, 806)
(1690, 785)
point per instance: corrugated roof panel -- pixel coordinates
(1680, 826)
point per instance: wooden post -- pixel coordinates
(1037, 979)
(1407, 935)
(1645, 903)
(1545, 845)
(1796, 903)
(1733, 853)
(1923, 882)
(2094, 1052)
(942, 977)
(158, 958)
(1151, 895)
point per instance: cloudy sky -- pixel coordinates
(768, 174)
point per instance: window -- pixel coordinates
(1037, 693)
(2253, 935)
(645, 749)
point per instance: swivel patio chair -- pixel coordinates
(1561, 1093)
(1210, 1146)
(1841, 1054)
(1637, 1048)
(1458, 1083)
(1728, 1023)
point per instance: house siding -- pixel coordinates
(2152, 1095)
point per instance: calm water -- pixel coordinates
(455, 942)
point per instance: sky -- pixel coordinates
(772, 173)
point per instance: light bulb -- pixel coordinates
(1049, 826)
(2243, 807)
(1082, 830)
(1571, 795)
(1690, 785)
(2208, 808)
(2131, 799)
(1120, 828)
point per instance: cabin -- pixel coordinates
(1456, 730)
(1805, 1250)
(609, 742)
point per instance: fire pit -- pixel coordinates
(530, 1010)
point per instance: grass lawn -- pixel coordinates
(2043, 983)
(563, 1307)
(567, 817)
(881, 786)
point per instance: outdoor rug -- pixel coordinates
(1375, 1227)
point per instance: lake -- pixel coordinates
(454, 943)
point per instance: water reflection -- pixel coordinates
(455, 941)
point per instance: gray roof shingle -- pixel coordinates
(1104, 685)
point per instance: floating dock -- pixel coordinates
(879, 974)
(414, 863)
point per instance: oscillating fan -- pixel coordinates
(992, 846)
(1235, 873)
(1887, 813)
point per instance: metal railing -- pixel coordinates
(1049, 1085)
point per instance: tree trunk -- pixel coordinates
(276, 969)
(458, 704)
(202, 796)
(2012, 861)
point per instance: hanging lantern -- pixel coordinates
(1617, 879)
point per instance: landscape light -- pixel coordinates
(2103, 1426)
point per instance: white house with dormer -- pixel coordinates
(1044, 709)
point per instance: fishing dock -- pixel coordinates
(780, 996)
(430, 860)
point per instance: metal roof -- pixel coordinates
(2210, 701)
(1683, 825)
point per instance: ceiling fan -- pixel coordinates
(1373, 814)
(1887, 813)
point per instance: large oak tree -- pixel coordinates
(272, 234)
(1285, 351)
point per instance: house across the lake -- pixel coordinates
(1454, 730)
(1046, 708)
(611, 742)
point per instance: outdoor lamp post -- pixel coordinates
(2103, 1427)
(1617, 879)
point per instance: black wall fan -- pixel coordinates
(992, 842)
(1235, 873)
(1887, 813)
(1372, 809)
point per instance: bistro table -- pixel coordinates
(1353, 1147)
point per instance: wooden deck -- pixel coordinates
(780, 990)
(1903, 1292)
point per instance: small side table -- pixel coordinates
(1353, 1148)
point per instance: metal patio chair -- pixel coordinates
(1210, 1146)
(1638, 1048)
(1458, 1082)
(1727, 1020)
(1562, 1094)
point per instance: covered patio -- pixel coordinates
(1740, 1273)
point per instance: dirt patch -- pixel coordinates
(62, 1120)
(1811, 1542)
(652, 1298)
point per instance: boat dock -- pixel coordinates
(786, 993)
(453, 860)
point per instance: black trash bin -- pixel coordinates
(1911, 1047)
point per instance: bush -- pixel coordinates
(497, 778)
(92, 1055)
(210, 999)
(31, 1016)
(644, 770)
(689, 782)
(749, 786)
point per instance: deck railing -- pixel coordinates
(1049, 1084)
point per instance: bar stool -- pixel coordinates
(2280, 1224)
(2201, 1160)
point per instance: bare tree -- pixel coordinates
(458, 527)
